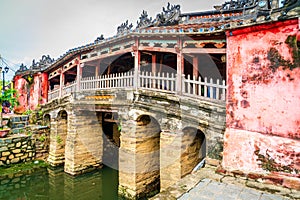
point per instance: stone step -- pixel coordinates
(17, 130)
(23, 118)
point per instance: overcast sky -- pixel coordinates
(32, 28)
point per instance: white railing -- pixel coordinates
(158, 81)
(124, 80)
(53, 94)
(166, 82)
(210, 89)
(69, 88)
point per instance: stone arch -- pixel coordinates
(111, 138)
(47, 120)
(193, 149)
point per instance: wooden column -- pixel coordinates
(153, 63)
(97, 69)
(79, 76)
(61, 83)
(137, 58)
(180, 67)
(153, 68)
(195, 67)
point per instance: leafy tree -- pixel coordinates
(8, 96)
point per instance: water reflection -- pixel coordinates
(57, 185)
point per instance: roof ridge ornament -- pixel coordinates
(124, 27)
(99, 39)
(144, 20)
(169, 16)
(22, 68)
(248, 4)
(45, 61)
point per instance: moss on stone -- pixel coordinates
(269, 164)
(22, 167)
(277, 60)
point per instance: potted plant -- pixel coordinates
(8, 98)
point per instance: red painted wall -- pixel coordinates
(20, 85)
(263, 99)
(38, 92)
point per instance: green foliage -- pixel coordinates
(58, 139)
(27, 112)
(40, 113)
(42, 138)
(11, 96)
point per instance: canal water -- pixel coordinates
(54, 184)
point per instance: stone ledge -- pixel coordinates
(272, 182)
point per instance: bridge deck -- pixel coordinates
(195, 87)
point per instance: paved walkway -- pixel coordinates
(207, 185)
(208, 189)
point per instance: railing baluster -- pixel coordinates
(211, 88)
(205, 86)
(200, 86)
(194, 85)
(162, 81)
(188, 85)
(218, 90)
(168, 82)
(223, 90)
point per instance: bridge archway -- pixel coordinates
(47, 120)
(193, 149)
(111, 139)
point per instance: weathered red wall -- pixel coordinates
(38, 92)
(263, 104)
(20, 85)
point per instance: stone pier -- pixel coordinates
(58, 134)
(84, 145)
(139, 163)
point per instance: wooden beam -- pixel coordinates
(70, 72)
(102, 56)
(204, 50)
(158, 49)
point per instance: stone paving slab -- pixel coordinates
(208, 189)
(207, 184)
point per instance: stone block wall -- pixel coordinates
(16, 149)
(41, 137)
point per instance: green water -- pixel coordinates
(57, 185)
